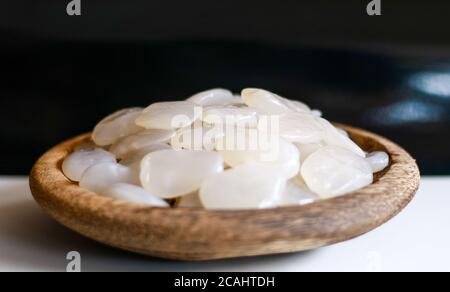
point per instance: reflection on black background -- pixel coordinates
(59, 87)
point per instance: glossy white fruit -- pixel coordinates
(116, 126)
(198, 136)
(288, 160)
(231, 115)
(140, 140)
(333, 137)
(76, 163)
(279, 153)
(333, 171)
(213, 97)
(378, 160)
(249, 186)
(343, 132)
(307, 149)
(265, 101)
(296, 193)
(170, 174)
(137, 156)
(241, 147)
(300, 128)
(133, 160)
(298, 106)
(316, 113)
(169, 115)
(133, 194)
(101, 176)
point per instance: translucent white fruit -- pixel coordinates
(266, 102)
(198, 136)
(137, 156)
(343, 132)
(378, 160)
(140, 140)
(300, 128)
(333, 137)
(307, 149)
(169, 115)
(213, 97)
(243, 146)
(116, 126)
(76, 163)
(316, 113)
(249, 186)
(133, 160)
(332, 171)
(99, 177)
(298, 106)
(288, 159)
(240, 145)
(296, 193)
(231, 115)
(170, 174)
(190, 201)
(133, 194)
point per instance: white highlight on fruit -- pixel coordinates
(265, 101)
(333, 171)
(115, 126)
(214, 97)
(76, 163)
(170, 174)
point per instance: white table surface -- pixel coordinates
(416, 240)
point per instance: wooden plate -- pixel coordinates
(196, 234)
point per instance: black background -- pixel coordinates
(61, 74)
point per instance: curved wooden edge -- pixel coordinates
(197, 234)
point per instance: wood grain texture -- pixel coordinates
(197, 234)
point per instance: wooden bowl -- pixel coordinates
(197, 234)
